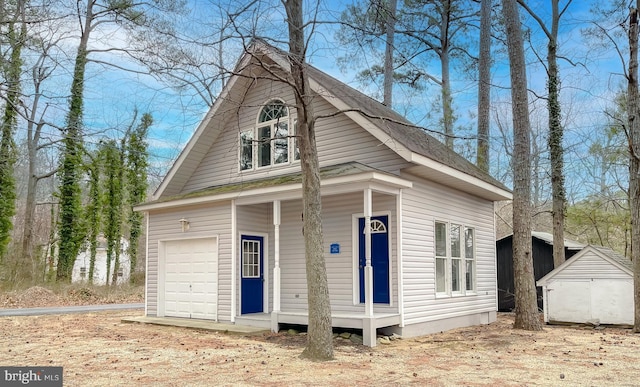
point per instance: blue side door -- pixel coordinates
(379, 258)
(252, 276)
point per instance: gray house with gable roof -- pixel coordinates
(224, 229)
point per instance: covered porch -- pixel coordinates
(361, 218)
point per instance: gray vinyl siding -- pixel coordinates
(293, 288)
(339, 140)
(590, 266)
(423, 205)
(205, 221)
(337, 227)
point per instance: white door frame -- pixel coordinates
(355, 242)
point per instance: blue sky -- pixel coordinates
(588, 86)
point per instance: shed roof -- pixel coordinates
(548, 238)
(615, 256)
(604, 253)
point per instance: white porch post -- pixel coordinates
(234, 259)
(368, 269)
(276, 268)
(399, 243)
(368, 325)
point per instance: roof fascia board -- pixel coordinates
(265, 49)
(400, 149)
(398, 182)
(447, 170)
(334, 189)
(544, 281)
(380, 182)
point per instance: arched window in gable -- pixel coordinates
(270, 143)
(273, 134)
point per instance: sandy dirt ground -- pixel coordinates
(98, 349)
(37, 296)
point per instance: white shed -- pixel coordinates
(83, 260)
(596, 284)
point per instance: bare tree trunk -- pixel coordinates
(33, 145)
(526, 304)
(447, 108)
(388, 53)
(555, 128)
(484, 86)
(30, 205)
(320, 335)
(634, 160)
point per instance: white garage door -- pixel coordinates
(191, 278)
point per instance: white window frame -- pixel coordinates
(472, 259)
(461, 258)
(256, 143)
(252, 150)
(251, 261)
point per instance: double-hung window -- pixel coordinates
(455, 259)
(270, 142)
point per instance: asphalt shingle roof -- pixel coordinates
(399, 128)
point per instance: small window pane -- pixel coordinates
(441, 273)
(455, 275)
(246, 150)
(250, 259)
(469, 276)
(272, 110)
(468, 243)
(378, 227)
(455, 240)
(296, 147)
(441, 240)
(264, 148)
(281, 143)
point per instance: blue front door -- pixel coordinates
(379, 258)
(252, 290)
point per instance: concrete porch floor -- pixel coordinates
(197, 324)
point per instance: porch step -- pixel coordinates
(261, 320)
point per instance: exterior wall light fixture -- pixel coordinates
(184, 223)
